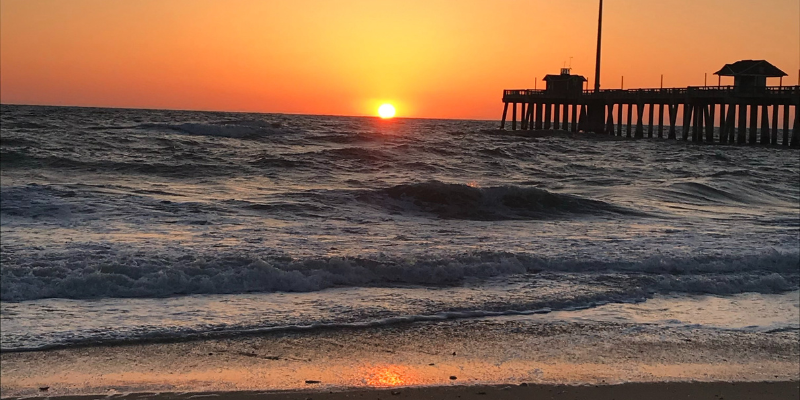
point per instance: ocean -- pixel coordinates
(127, 226)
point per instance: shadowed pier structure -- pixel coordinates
(748, 112)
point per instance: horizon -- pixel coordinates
(349, 58)
(377, 117)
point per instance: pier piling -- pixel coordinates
(774, 133)
(786, 124)
(628, 132)
(687, 120)
(751, 139)
(742, 134)
(639, 120)
(710, 113)
(765, 134)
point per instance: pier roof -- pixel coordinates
(751, 68)
(564, 77)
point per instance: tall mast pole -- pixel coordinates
(599, 35)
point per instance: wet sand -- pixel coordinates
(429, 360)
(652, 391)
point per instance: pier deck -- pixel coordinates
(761, 116)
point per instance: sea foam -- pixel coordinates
(118, 274)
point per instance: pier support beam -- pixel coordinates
(774, 133)
(661, 120)
(556, 116)
(765, 134)
(673, 119)
(526, 116)
(786, 124)
(609, 120)
(723, 138)
(548, 110)
(630, 121)
(531, 109)
(513, 116)
(639, 120)
(651, 111)
(539, 116)
(585, 122)
(620, 121)
(730, 123)
(741, 136)
(710, 113)
(503, 120)
(595, 116)
(697, 131)
(796, 130)
(753, 136)
(574, 126)
(687, 120)
(529, 117)
(565, 117)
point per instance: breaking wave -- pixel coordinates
(117, 274)
(724, 193)
(459, 201)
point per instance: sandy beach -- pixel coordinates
(654, 391)
(495, 357)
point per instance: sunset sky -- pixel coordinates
(430, 58)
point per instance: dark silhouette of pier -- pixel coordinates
(736, 110)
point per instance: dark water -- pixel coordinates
(126, 224)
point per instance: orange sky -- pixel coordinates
(430, 58)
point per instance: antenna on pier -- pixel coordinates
(599, 41)
(567, 70)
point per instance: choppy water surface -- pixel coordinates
(218, 223)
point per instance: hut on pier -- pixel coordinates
(750, 76)
(564, 84)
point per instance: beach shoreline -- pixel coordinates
(448, 358)
(655, 391)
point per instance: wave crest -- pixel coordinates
(458, 201)
(82, 274)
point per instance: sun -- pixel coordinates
(386, 111)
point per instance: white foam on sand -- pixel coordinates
(746, 312)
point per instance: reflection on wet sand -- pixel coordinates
(481, 352)
(390, 376)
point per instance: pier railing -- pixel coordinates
(698, 91)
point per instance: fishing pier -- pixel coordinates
(747, 112)
(744, 115)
